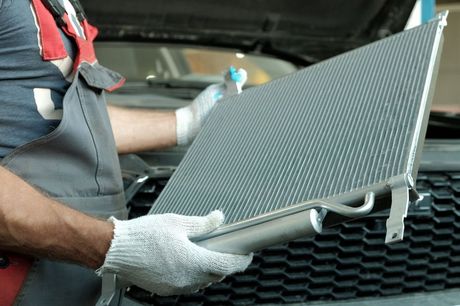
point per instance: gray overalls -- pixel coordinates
(76, 164)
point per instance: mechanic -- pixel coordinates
(60, 176)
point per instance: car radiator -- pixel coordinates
(345, 128)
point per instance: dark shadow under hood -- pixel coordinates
(302, 31)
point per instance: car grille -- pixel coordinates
(347, 261)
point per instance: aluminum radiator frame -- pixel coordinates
(316, 135)
(378, 162)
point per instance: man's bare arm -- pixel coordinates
(32, 223)
(138, 130)
(143, 250)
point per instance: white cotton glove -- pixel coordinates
(191, 118)
(154, 252)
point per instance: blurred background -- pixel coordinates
(447, 94)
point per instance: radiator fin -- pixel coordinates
(340, 125)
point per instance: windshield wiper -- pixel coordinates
(177, 84)
(184, 90)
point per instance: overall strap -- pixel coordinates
(56, 9)
(79, 9)
(52, 47)
(61, 17)
(54, 14)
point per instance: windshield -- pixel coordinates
(141, 62)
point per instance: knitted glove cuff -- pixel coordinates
(119, 254)
(184, 125)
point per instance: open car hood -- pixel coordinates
(302, 31)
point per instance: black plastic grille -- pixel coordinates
(350, 260)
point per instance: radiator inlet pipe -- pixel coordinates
(246, 240)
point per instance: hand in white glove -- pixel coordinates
(154, 252)
(190, 119)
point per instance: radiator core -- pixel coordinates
(341, 125)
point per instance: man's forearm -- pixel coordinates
(140, 130)
(34, 224)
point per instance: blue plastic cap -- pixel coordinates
(234, 75)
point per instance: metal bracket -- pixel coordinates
(109, 289)
(112, 290)
(402, 194)
(132, 189)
